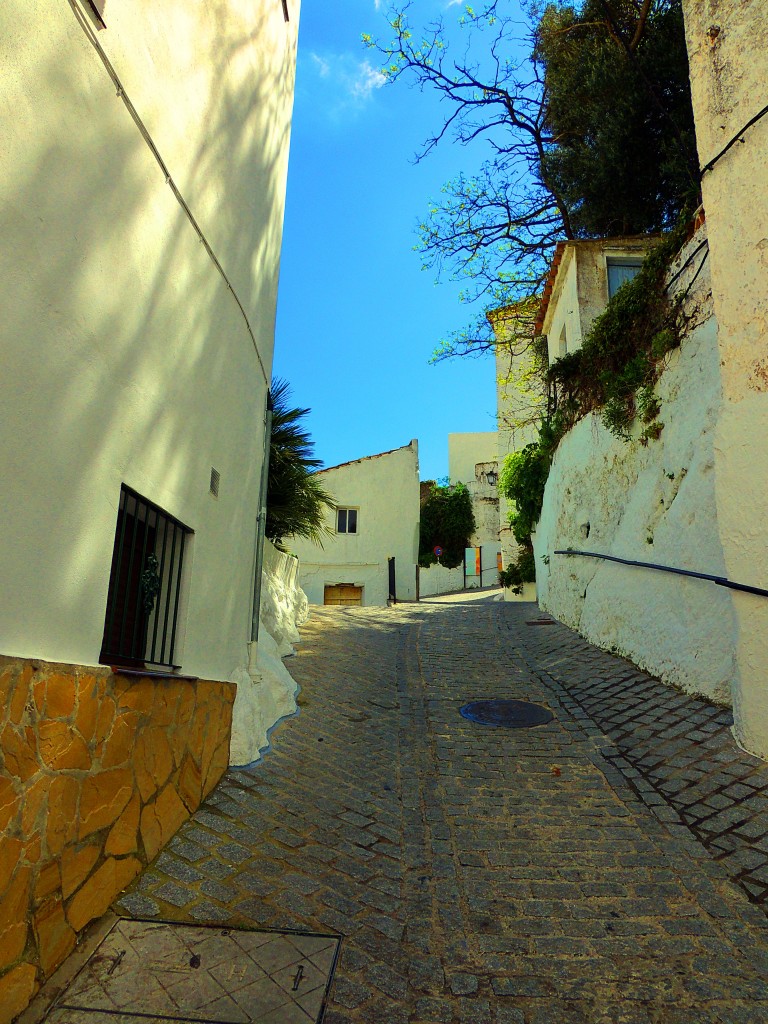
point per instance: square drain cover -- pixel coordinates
(147, 971)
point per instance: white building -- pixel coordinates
(371, 552)
(473, 461)
(583, 275)
(144, 162)
(144, 168)
(519, 400)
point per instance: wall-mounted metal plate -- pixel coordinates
(147, 971)
(508, 714)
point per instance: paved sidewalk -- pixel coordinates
(482, 875)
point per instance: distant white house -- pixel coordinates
(371, 554)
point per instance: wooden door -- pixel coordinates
(343, 594)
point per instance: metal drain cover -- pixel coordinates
(148, 971)
(509, 714)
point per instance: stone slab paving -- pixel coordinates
(477, 875)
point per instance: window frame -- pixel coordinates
(145, 596)
(635, 262)
(346, 509)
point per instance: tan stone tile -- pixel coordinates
(121, 744)
(160, 819)
(61, 747)
(20, 752)
(10, 853)
(123, 836)
(32, 810)
(9, 801)
(104, 719)
(88, 705)
(55, 938)
(48, 880)
(76, 865)
(14, 914)
(103, 799)
(61, 827)
(139, 696)
(190, 783)
(60, 695)
(16, 990)
(93, 899)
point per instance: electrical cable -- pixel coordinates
(753, 120)
(144, 132)
(691, 257)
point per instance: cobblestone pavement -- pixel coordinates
(482, 875)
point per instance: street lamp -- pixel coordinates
(491, 477)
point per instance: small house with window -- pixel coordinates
(370, 552)
(584, 275)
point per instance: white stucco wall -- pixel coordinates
(269, 694)
(385, 490)
(518, 411)
(470, 458)
(439, 580)
(580, 291)
(124, 355)
(465, 451)
(653, 504)
(728, 55)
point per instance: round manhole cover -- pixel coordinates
(509, 714)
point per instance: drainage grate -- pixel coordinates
(147, 971)
(509, 714)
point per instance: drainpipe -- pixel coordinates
(261, 523)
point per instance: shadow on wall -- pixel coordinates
(103, 269)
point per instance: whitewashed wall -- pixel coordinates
(654, 504)
(124, 355)
(385, 490)
(439, 580)
(269, 694)
(728, 55)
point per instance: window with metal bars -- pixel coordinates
(144, 585)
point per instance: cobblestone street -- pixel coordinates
(608, 867)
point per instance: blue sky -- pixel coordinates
(357, 316)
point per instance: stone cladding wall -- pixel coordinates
(97, 772)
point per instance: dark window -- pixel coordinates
(620, 271)
(144, 585)
(346, 520)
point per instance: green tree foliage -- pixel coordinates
(447, 521)
(623, 155)
(296, 500)
(587, 114)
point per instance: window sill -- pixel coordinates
(151, 673)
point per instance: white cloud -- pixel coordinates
(322, 65)
(340, 83)
(368, 78)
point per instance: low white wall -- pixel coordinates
(373, 578)
(268, 695)
(439, 580)
(655, 504)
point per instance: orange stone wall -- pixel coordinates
(97, 772)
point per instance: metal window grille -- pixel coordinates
(144, 585)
